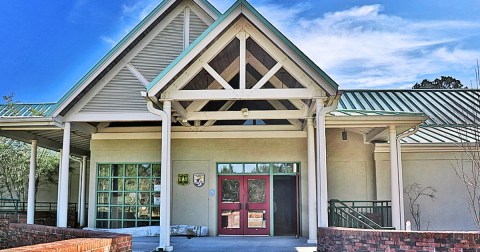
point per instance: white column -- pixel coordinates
(400, 185)
(62, 204)
(312, 187)
(31, 184)
(59, 180)
(322, 195)
(394, 179)
(79, 190)
(166, 179)
(81, 207)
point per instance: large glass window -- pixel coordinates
(128, 195)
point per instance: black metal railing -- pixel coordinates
(360, 214)
(9, 206)
(15, 206)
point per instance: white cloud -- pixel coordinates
(362, 48)
(132, 14)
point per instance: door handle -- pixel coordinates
(246, 206)
(240, 204)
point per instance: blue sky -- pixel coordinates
(46, 46)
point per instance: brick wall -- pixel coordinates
(23, 237)
(345, 239)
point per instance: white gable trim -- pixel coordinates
(201, 10)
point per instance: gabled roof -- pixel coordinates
(115, 54)
(444, 107)
(244, 5)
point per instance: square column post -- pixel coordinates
(59, 182)
(400, 185)
(31, 184)
(62, 204)
(322, 196)
(83, 179)
(395, 180)
(312, 187)
(166, 173)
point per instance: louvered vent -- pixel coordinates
(121, 94)
(197, 26)
(162, 50)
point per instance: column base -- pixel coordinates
(312, 241)
(168, 248)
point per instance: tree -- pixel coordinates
(15, 162)
(414, 192)
(445, 82)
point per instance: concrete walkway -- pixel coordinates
(230, 244)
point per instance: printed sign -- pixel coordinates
(182, 179)
(199, 179)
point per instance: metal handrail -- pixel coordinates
(21, 206)
(11, 205)
(349, 212)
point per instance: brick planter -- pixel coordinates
(346, 239)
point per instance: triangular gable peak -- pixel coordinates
(115, 81)
(242, 63)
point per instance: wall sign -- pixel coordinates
(199, 179)
(182, 179)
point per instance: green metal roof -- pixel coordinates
(25, 110)
(440, 134)
(354, 112)
(115, 49)
(284, 39)
(446, 107)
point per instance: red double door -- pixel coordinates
(244, 205)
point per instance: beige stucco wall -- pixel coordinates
(449, 211)
(200, 155)
(351, 168)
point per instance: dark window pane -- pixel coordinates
(130, 170)
(102, 212)
(117, 184)
(156, 170)
(104, 170)
(129, 212)
(102, 224)
(143, 223)
(118, 170)
(116, 198)
(102, 198)
(128, 224)
(130, 198)
(143, 212)
(144, 170)
(116, 224)
(144, 198)
(103, 184)
(131, 184)
(156, 213)
(144, 184)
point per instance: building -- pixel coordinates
(203, 118)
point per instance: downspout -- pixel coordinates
(165, 173)
(400, 172)
(322, 194)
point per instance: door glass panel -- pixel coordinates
(230, 191)
(256, 190)
(230, 219)
(256, 219)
